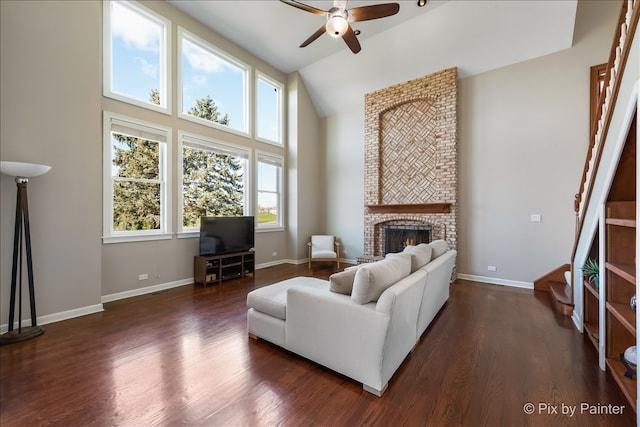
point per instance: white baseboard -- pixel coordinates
(147, 290)
(577, 321)
(496, 281)
(57, 317)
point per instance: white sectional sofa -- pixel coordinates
(362, 322)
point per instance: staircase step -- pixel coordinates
(561, 297)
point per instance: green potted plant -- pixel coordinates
(591, 272)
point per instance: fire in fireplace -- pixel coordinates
(399, 236)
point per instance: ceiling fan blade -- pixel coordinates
(314, 36)
(366, 13)
(351, 40)
(305, 7)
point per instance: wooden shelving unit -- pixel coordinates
(620, 267)
(620, 287)
(208, 270)
(591, 313)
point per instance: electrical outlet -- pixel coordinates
(536, 217)
(143, 277)
(492, 268)
(274, 253)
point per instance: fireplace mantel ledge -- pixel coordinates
(411, 208)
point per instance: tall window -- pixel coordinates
(214, 82)
(269, 204)
(213, 180)
(136, 46)
(269, 109)
(136, 204)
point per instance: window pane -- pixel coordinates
(213, 185)
(212, 87)
(136, 206)
(268, 111)
(134, 157)
(135, 62)
(269, 193)
(267, 177)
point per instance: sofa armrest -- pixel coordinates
(335, 332)
(436, 291)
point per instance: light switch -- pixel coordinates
(536, 218)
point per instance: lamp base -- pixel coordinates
(17, 335)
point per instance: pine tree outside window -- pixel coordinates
(136, 206)
(213, 181)
(209, 75)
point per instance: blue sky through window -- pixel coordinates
(136, 41)
(206, 74)
(268, 97)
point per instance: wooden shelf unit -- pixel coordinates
(592, 313)
(208, 270)
(620, 270)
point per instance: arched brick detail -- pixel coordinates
(411, 154)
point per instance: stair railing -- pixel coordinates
(621, 46)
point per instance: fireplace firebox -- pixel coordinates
(399, 236)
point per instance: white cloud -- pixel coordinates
(135, 30)
(199, 79)
(148, 69)
(200, 59)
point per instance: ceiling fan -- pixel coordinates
(339, 17)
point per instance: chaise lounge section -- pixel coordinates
(362, 322)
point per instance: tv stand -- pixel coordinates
(213, 269)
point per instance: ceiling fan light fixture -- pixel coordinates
(337, 26)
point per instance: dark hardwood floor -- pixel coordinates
(182, 357)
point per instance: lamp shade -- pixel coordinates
(26, 170)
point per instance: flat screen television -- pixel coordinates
(226, 234)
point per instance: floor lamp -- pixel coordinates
(22, 172)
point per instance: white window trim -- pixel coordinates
(108, 235)
(182, 33)
(165, 58)
(191, 140)
(262, 76)
(281, 221)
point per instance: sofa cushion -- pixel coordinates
(342, 282)
(420, 255)
(439, 247)
(272, 299)
(373, 279)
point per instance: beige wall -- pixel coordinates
(51, 86)
(522, 138)
(50, 113)
(345, 179)
(305, 154)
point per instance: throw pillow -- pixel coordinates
(420, 255)
(342, 282)
(439, 247)
(373, 279)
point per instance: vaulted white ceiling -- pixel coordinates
(474, 35)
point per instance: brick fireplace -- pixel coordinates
(411, 159)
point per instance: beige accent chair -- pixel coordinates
(324, 248)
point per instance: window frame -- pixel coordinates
(194, 140)
(246, 89)
(271, 158)
(109, 235)
(165, 58)
(280, 108)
